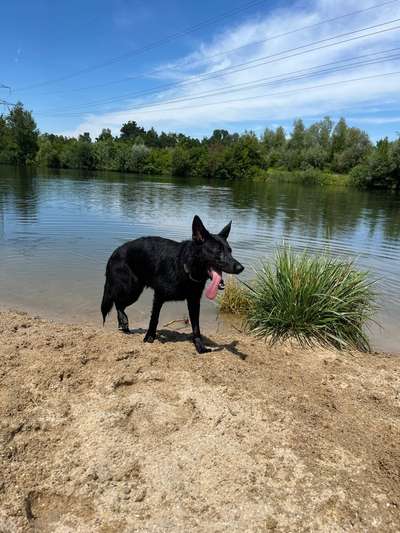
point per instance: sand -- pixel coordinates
(100, 432)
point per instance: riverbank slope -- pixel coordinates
(102, 433)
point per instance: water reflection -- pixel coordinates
(57, 229)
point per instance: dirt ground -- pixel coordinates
(101, 433)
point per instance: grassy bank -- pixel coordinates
(309, 177)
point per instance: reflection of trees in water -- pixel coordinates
(313, 212)
(323, 212)
(19, 186)
(392, 212)
(3, 200)
(1, 219)
(164, 201)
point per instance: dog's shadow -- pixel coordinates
(168, 336)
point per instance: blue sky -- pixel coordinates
(82, 66)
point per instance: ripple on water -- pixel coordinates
(56, 233)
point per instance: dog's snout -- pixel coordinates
(238, 268)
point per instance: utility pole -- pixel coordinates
(3, 102)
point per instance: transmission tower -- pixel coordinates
(3, 102)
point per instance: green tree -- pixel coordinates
(138, 156)
(130, 130)
(244, 158)
(350, 146)
(167, 140)
(49, 152)
(80, 153)
(381, 168)
(274, 146)
(105, 135)
(158, 161)
(23, 135)
(151, 138)
(296, 145)
(339, 137)
(222, 137)
(298, 136)
(5, 141)
(181, 164)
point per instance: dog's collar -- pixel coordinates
(190, 275)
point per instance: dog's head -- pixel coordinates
(216, 254)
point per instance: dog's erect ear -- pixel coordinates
(224, 233)
(199, 232)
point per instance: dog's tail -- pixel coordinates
(107, 301)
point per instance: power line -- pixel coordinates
(298, 89)
(263, 82)
(307, 88)
(226, 52)
(4, 102)
(149, 46)
(258, 84)
(7, 104)
(254, 63)
(310, 26)
(301, 73)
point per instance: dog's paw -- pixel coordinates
(149, 338)
(200, 346)
(203, 349)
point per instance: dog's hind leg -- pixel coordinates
(122, 301)
(126, 289)
(123, 322)
(155, 315)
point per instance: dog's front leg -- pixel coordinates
(155, 315)
(194, 314)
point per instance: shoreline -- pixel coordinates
(318, 177)
(101, 432)
(171, 317)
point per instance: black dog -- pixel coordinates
(175, 270)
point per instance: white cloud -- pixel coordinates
(377, 120)
(268, 104)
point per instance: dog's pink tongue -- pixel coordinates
(212, 289)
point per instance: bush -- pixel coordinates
(234, 299)
(313, 299)
(360, 176)
(381, 169)
(181, 165)
(310, 176)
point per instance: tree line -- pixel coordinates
(308, 151)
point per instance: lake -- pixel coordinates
(58, 228)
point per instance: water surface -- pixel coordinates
(57, 230)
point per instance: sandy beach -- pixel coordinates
(102, 433)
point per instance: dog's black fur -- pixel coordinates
(175, 270)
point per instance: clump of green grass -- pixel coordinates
(313, 299)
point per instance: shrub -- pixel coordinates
(360, 176)
(310, 176)
(313, 299)
(181, 163)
